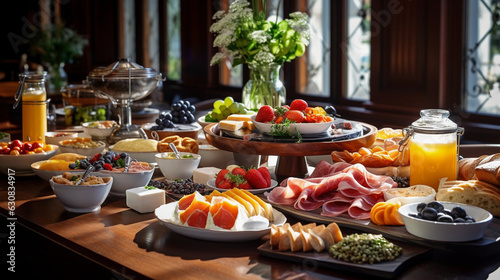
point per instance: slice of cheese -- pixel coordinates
(239, 117)
(204, 174)
(249, 125)
(230, 125)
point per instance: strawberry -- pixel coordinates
(238, 171)
(226, 184)
(245, 185)
(221, 176)
(298, 104)
(265, 114)
(256, 179)
(265, 173)
(295, 116)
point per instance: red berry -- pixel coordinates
(27, 146)
(265, 114)
(295, 116)
(225, 184)
(265, 173)
(238, 171)
(256, 179)
(221, 177)
(245, 185)
(298, 104)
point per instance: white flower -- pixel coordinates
(264, 57)
(218, 57)
(260, 36)
(224, 39)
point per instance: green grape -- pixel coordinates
(234, 108)
(226, 113)
(228, 101)
(222, 108)
(218, 103)
(220, 117)
(241, 108)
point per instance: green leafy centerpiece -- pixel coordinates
(244, 35)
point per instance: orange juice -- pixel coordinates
(34, 115)
(431, 161)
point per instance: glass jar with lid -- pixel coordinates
(433, 148)
(33, 97)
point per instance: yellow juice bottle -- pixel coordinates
(433, 148)
(31, 93)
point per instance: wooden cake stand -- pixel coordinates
(291, 156)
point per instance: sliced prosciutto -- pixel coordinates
(337, 188)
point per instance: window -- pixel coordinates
(482, 90)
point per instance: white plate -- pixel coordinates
(302, 128)
(48, 174)
(164, 214)
(211, 184)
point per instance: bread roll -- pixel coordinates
(485, 168)
(471, 192)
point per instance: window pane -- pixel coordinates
(356, 49)
(482, 94)
(313, 75)
(174, 39)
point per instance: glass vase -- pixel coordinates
(57, 78)
(264, 87)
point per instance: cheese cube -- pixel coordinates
(145, 200)
(204, 174)
(239, 117)
(230, 125)
(249, 125)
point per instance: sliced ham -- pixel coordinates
(305, 202)
(336, 206)
(289, 194)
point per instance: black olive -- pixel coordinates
(429, 213)
(445, 219)
(436, 205)
(469, 218)
(459, 220)
(459, 212)
(447, 212)
(421, 207)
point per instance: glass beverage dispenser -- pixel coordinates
(33, 96)
(433, 148)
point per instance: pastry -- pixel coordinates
(485, 168)
(185, 144)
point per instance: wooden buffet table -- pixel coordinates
(119, 243)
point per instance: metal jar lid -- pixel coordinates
(434, 121)
(123, 68)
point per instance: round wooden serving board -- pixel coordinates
(291, 160)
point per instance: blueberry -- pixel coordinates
(123, 155)
(436, 205)
(158, 121)
(72, 165)
(168, 117)
(421, 207)
(445, 219)
(459, 212)
(429, 213)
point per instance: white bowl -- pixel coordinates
(98, 132)
(82, 198)
(173, 168)
(124, 181)
(449, 232)
(302, 128)
(202, 122)
(89, 152)
(214, 157)
(48, 174)
(54, 137)
(21, 164)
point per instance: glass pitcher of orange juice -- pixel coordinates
(33, 96)
(434, 146)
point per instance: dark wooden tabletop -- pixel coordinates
(120, 243)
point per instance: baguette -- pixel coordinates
(471, 192)
(485, 168)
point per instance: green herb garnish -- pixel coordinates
(120, 162)
(282, 130)
(149, 187)
(74, 178)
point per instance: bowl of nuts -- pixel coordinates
(445, 221)
(82, 146)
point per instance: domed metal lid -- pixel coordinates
(434, 121)
(123, 68)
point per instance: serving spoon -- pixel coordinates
(174, 149)
(89, 169)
